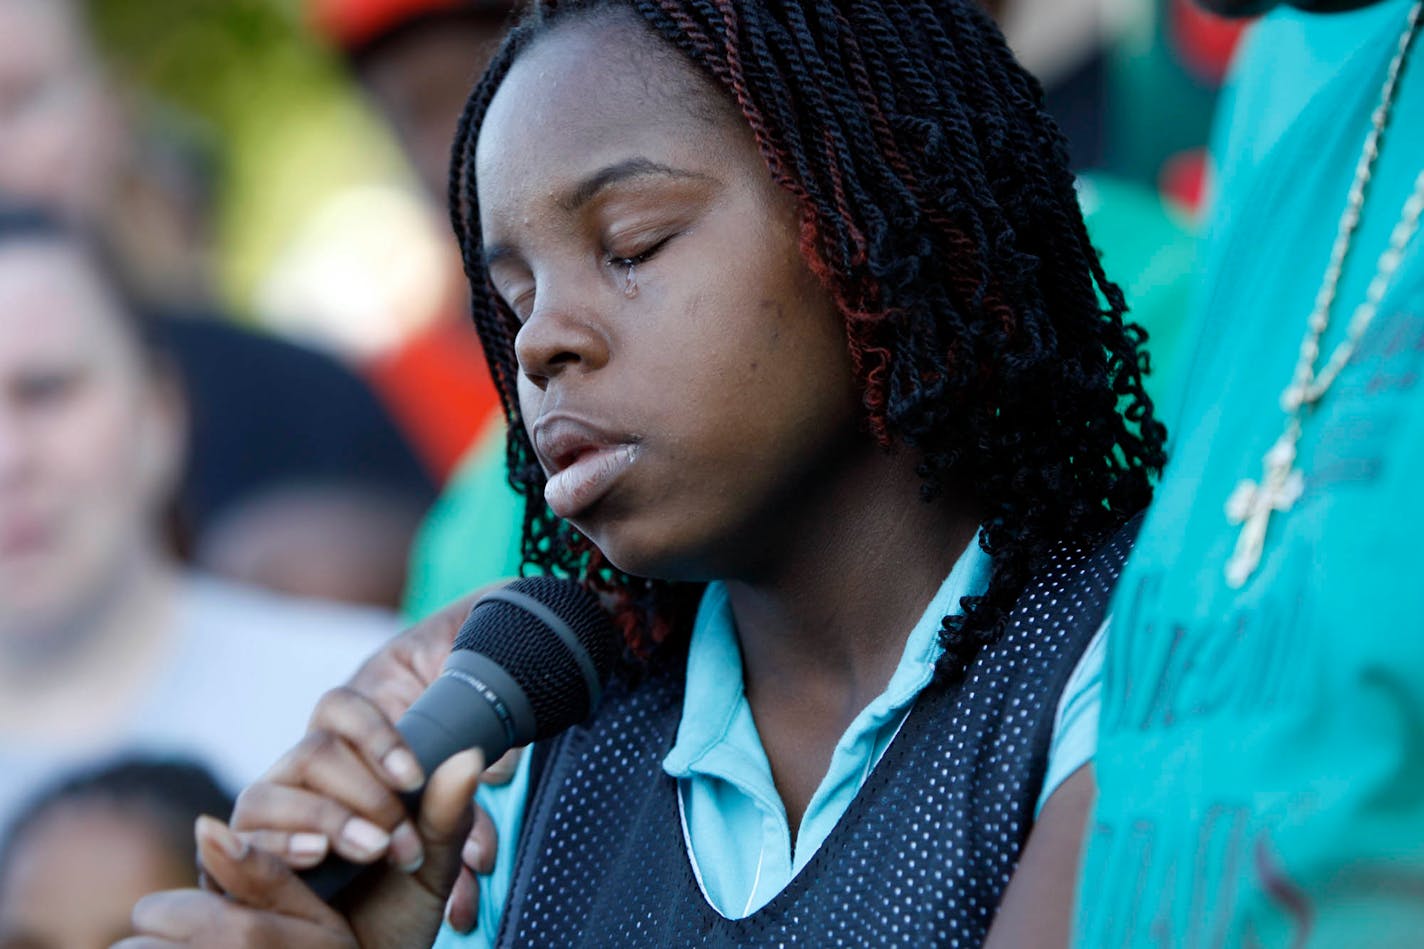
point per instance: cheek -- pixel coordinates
(755, 379)
(776, 346)
(530, 399)
(103, 449)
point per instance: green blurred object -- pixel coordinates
(1157, 108)
(290, 129)
(471, 537)
(1150, 253)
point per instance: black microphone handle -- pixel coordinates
(473, 704)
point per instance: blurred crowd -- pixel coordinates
(206, 522)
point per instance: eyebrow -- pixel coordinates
(589, 188)
(637, 167)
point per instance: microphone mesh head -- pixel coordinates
(538, 658)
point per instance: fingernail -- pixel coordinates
(218, 832)
(363, 838)
(402, 766)
(307, 846)
(501, 770)
(471, 853)
(406, 850)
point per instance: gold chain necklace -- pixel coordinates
(1282, 483)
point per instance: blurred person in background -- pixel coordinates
(80, 853)
(106, 642)
(417, 60)
(1147, 245)
(1260, 762)
(1064, 43)
(280, 538)
(266, 413)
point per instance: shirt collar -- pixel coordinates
(714, 697)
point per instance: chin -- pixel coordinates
(654, 554)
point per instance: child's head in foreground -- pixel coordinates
(76, 860)
(747, 269)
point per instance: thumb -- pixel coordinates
(446, 813)
(257, 879)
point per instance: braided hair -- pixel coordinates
(937, 207)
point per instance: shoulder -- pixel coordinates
(1075, 721)
(1073, 587)
(1286, 62)
(228, 617)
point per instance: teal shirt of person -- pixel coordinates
(470, 538)
(1260, 758)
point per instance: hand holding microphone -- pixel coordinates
(350, 798)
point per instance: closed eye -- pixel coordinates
(613, 260)
(523, 305)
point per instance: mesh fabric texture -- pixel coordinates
(920, 858)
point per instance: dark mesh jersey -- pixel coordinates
(920, 858)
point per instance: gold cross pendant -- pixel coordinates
(1251, 505)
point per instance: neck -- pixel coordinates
(844, 595)
(822, 629)
(80, 673)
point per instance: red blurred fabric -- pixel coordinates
(352, 24)
(438, 387)
(1204, 41)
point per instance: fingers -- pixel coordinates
(270, 906)
(257, 879)
(445, 809)
(480, 844)
(502, 771)
(462, 911)
(476, 857)
(301, 825)
(192, 918)
(445, 818)
(337, 790)
(300, 849)
(355, 718)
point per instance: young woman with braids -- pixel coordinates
(812, 372)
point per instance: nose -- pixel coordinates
(559, 338)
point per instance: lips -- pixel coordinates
(584, 462)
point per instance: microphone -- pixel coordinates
(528, 662)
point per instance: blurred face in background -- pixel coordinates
(59, 127)
(420, 80)
(90, 438)
(72, 878)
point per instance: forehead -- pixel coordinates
(51, 300)
(53, 857)
(592, 92)
(38, 37)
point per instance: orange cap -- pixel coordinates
(353, 24)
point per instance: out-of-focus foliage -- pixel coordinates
(278, 111)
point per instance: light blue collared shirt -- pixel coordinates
(733, 819)
(734, 823)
